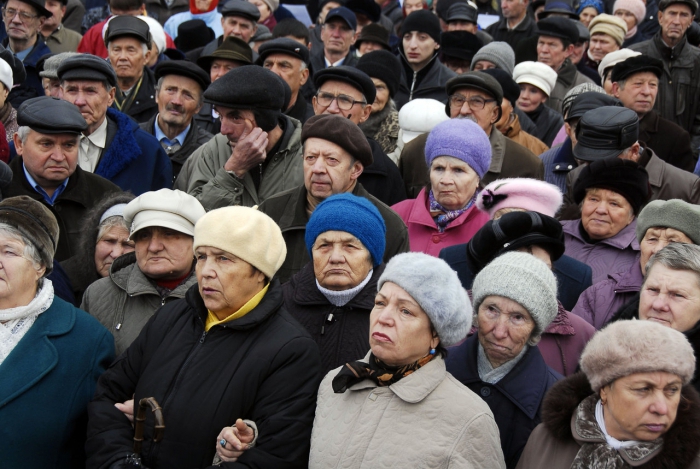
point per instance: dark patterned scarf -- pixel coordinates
(441, 215)
(376, 370)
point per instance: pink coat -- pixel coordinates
(423, 233)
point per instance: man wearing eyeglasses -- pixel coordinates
(476, 96)
(23, 20)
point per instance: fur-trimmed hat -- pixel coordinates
(675, 213)
(447, 306)
(625, 177)
(627, 347)
(522, 193)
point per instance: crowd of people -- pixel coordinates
(350, 233)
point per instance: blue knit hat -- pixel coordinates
(462, 139)
(354, 215)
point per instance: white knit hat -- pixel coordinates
(157, 32)
(419, 116)
(537, 74)
(6, 77)
(614, 58)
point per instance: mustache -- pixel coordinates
(174, 107)
(469, 117)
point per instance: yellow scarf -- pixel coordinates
(212, 320)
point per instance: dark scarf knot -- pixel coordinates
(376, 370)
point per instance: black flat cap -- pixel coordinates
(48, 115)
(193, 34)
(478, 80)
(513, 231)
(232, 48)
(183, 68)
(625, 177)
(349, 75)
(583, 33)
(39, 7)
(341, 131)
(590, 100)
(369, 8)
(87, 67)
(247, 88)
(640, 63)
(511, 90)
(241, 8)
(605, 132)
(127, 25)
(560, 27)
(558, 6)
(383, 65)
(462, 12)
(283, 45)
(374, 32)
(19, 74)
(663, 4)
(460, 45)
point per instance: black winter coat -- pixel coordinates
(548, 121)
(263, 367)
(341, 332)
(382, 178)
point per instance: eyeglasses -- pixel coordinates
(10, 13)
(345, 102)
(476, 103)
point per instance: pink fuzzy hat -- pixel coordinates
(523, 193)
(636, 7)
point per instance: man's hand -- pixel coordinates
(249, 150)
(235, 441)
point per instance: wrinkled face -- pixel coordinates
(226, 282)
(605, 213)
(399, 330)
(484, 65)
(52, 87)
(239, 27)
(504, 328)
(289, 69)
(641, 406)
(655, 239)
(263, 8)
(91, 98)
(382, 95)
(21, 20)
(530, 97)
(472, 108)
(587, 15)
(57, 9)
(18, 273)
(453, 182)
(162, 253)
(368, 46)
(341, 261)
(337, 36)
(233, 122)
(113, 243)
(551, 51)
(628, 17)
(419, 48)
(324, 11)
(49, 158)
(328, 169)
(639, 92)
(342, 91)
(461, 25)
(126, 57)
(675, 21)
(601, 45)
(671, 298)
(178, 100)
(513, 9)
(410, 6)
(219, 68)
(579, 49)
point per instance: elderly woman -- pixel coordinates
(159, 270)
(611, 193)
(589, 9)
(515, 298)
(51, 353)
(659, 224)
(629, 408)
(458, 154)
(333, 294)
(632, 12)
(227, 351)
(383, 123)
(267, 10)
(104, 238)
(400, 392)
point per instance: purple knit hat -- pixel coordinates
(523, 193)
(462, 139)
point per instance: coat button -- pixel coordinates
(57, 208)
(436, 239)
(485, 391)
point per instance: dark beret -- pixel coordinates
(460, 44)
(511, 90)
(369, 8)
(48, 115)
(374, 32)
(693, 4)
(39, 7)
(584, 102)
(349, 75)
(478, 80)
(283, 45)
(557, 26)
(87, 67)
(605, 132)
(19, 74)
(183, 68)
(128, 26)
(558, 6)
(248, 87)
(193, 34)
(637, 64)
(583, 33)
(513, 231)
(383, 65)
(341, 131)
(232, 48)
(241, 8)
(625, 177)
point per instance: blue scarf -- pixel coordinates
(441, 215)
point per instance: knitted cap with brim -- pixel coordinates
(433, 284)
(524, 279)
(675, 213)
(627, 347)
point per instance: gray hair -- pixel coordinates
(143, 46)
(677, 256)
(109, 223)
(159, 85)
(30, 251)
(23, 133)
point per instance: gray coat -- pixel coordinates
(568, 77)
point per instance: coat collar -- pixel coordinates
(655, 168)
(629, 280)
(498, 150)
(127, 276)
(420, 214)
(564, 159)
(626, 238)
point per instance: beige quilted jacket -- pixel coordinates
(426, 420)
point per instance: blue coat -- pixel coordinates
(45, 385)
(516, 400)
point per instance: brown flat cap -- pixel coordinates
(341, 131)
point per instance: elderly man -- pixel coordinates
(57, 37)
(350, 92)
(636, 84)
(113, 146)
(258, 152)
(555, 44)
(335, 154)
(23, 20)
(158, 271)
(679, 87)
(46, 168)
(289, 60)
(49, 74)
(515, 26)
(476, 96)
(338, 36)
(239, 18)
(179, 95)
(333, 294)
(228, 351)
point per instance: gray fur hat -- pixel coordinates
(627, 347)
(437, 289)
(674, 213)
(524, 279)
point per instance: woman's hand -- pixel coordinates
(233, 441)
(127, 408)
